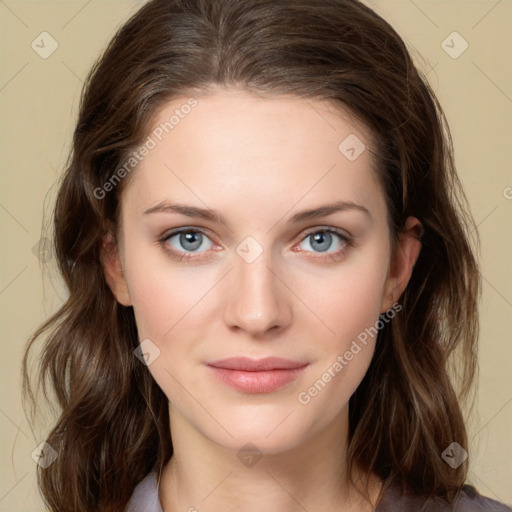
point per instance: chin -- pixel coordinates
(271, 433)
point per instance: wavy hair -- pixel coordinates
(113, 427)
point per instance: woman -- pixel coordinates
(296, 355)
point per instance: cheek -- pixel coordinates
(348, 299)
(348, 304)
(159, 297)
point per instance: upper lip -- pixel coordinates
(254, 365)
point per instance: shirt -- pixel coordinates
(145, 499)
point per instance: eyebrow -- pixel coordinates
(214, 216)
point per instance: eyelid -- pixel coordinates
(331, 229)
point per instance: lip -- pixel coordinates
(257, 375)
(254, 365)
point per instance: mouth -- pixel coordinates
(257, 375)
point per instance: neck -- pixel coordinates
(204, 476)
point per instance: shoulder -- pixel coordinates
(145, 496)
(468, 500)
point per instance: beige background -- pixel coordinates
(38, 101)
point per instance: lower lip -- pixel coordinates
(257, 382)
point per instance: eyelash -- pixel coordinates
(344, 237)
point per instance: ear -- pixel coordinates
(113, 270)
(402, 262)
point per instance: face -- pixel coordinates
(258, 278)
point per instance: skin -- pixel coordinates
(257, 161)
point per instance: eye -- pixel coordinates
(320, 240)
(182, 243)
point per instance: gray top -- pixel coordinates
(145, 499)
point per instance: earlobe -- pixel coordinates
(403, 261)
(113, 270)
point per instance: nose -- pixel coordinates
(258, 300)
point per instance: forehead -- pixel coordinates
(235, 144)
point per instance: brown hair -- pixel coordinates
(113, 427)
